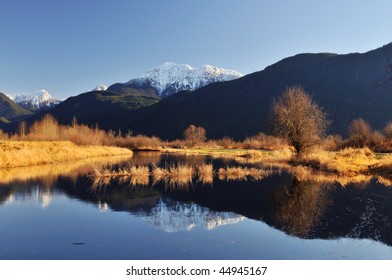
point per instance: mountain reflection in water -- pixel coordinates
(40, 195)
(172, 216)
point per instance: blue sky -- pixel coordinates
(69, 47)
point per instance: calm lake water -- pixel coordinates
(57, 212)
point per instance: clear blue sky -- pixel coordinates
(68, 47)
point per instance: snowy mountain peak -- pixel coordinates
(168, 67)
(40, 99)
(41, 95)
(170, 77)
(100, 87)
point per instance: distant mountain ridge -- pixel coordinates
(170, 78)
(39, 100)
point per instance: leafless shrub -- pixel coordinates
(297, 118)
(359, 133)
(195, 135)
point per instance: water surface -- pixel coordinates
(64, 215)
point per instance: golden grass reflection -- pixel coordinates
(242, 173)
(175, 176)
(179, 175)
(48, 174)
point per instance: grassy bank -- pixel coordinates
(48, 174)
(28, 153)
(347, 162)
(249, 155)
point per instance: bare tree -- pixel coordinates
(388, 130)
(359, 132)
(195, 135)
(297, 118)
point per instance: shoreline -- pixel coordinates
(32, 153)
(349, 162)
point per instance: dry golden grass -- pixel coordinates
(240, 155)
(385, 181)
(47, 174)
(158, 173)
(242, 173)
(139, 175)
(304, 173)
(178, 174)
(173, 175)
(48, 129)
(138, 142)
(274, 156)
(102, 176)
(105, 172)
(135, 175)
(205, 173)
(28, 153)
(349, 161)
(182, 175)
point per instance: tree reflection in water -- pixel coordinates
(300, 205)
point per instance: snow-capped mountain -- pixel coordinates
(170, 77)
(100, 87)
(39, 100)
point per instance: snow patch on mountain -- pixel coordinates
(170, 77)
(9, 96)
(100, 87)
(38, 100)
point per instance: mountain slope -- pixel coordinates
(170, 78)
(346, 86)
(9, 111)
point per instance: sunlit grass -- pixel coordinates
(173, 174)
(240, 155)
(349, 162)
(342, 167)
(242, 173)
(28, 153)
(206, 173)
(135, 175)
(48, 173)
